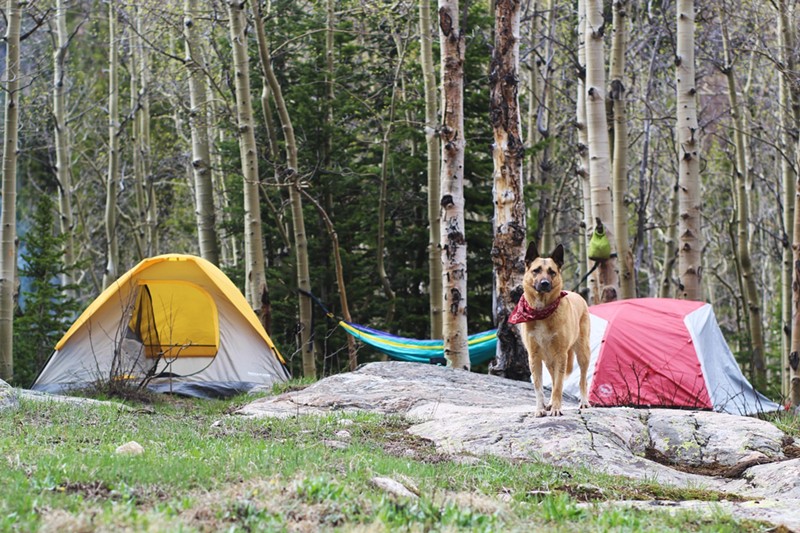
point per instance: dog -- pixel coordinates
(554, 323)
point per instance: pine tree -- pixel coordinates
(47, 310)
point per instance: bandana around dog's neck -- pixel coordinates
(523, 312)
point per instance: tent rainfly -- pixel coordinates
(654, 352)
(175, 318)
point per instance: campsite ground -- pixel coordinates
(202, 469)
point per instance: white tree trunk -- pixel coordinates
(689, 253)
(606, 281)
(453, 237)
(254, 252)
(789, 176)
(619, 42)
(750, 296)
(61, 135)
(134, 55)
(298, 221)
(433, 169)
(112, 178)
(582, 169)
(545, 222)
(201, 154)
(8, 224)
(794, 354)
(142, 145)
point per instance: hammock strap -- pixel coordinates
(319, 303)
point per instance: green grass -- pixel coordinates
(204, 470)
(786, 421)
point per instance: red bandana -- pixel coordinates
(523, 312)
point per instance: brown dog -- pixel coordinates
(555, 324)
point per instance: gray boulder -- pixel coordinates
(467, 414)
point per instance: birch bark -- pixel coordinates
(112, 178)
(255, 279)
(8, 224)
(788, 121)
(619, 42)
(61, 135)
(508, 247)
(750, 296)
(689, 257)
(454, 243)
(298, 221)
(433, 168)
(201, 154)
(605, 283)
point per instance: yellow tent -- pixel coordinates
(175, 317)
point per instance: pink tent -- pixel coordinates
(664, 353)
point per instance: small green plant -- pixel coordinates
(246, 515)
(618, 519)
(560, 508)
(319, 489)
(292, 385)
(787, 421)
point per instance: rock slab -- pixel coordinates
(466, 413)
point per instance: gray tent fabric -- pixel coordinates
(729, 390)
(103, 343)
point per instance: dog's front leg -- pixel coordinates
(535, 364)
(557, 372)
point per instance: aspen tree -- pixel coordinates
(750, 295)
(508, 247)
(689, 252)
(298, 220)
(546, 218)
(453, 238)
(606, 280)
(433, 168)
(582, 148)
(8, 224)
(619, 41)
(255, 279)
(61, 136)
(201, 154)
(788, 121)
(112, 178)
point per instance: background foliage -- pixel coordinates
(370, 39)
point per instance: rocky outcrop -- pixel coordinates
(10, 396)
(467, 413)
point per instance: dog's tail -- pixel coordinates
(570, 361)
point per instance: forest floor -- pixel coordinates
(353, 453)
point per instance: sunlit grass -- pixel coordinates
(204, 469)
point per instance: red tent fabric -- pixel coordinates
(648, 357)
(656, 352)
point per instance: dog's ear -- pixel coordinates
(558, 256)
(531, 254)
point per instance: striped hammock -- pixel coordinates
(481, 345)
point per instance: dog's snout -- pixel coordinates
(545, 285)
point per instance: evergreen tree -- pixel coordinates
(46, 310)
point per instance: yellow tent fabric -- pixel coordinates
(176, 323)
(182, 267)
(175, 319)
